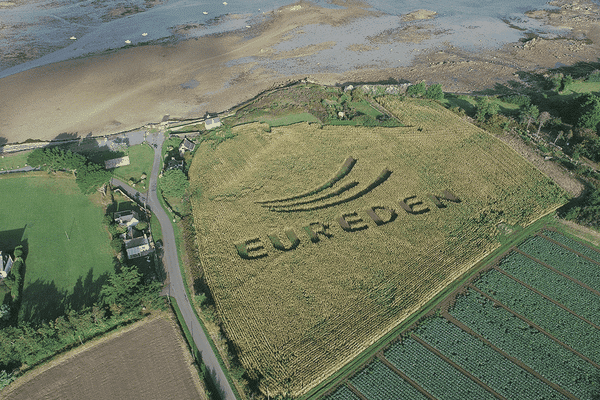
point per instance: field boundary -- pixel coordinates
(177, 234)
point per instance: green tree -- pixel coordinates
(485, 107)
(6, 378)
(529, 114)
(566, 81)
(592, 148)
(122, 287)
(55, 158)
(435, 92)
(141, 226)
(18, 251)
(416, 90)
(556, 81)
(91, 176)
(173, 183)
(4, 312)
(589, 106)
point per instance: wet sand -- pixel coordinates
(126, 89)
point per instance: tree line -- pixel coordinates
(123, 300)
(89, 175)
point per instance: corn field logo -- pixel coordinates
(313, 199)
(350, 221)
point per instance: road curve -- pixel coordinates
(175, 287)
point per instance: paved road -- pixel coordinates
(174, 286)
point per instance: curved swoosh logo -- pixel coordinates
(308, 201)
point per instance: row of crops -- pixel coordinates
(527, 328)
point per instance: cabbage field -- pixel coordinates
(524, 329)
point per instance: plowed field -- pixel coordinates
(150, 361)
(316, 242)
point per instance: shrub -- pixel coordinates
(594, 76)
(518, 99)
(18, 251)
(174, 183)
(435, 92)
(416, 90)
(141, 226)
(116, 244)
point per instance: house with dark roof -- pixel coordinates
(186, 145)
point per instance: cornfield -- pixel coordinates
(352, 230)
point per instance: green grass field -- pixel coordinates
(289, 119)
(141, 157)
(68, 252)
(583, 87)
(13, 161)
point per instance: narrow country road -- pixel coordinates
(175, 285)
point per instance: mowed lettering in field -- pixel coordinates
(343, 232)
(350, 221)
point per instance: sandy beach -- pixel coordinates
(125, 89)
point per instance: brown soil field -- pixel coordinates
(126, 89)
(148, 360)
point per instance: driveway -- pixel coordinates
(175, 285)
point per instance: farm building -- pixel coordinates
(212, 123)
(186, 145)
(138, 247)
(116, 162)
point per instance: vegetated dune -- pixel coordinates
(149, 360)
(301, 293)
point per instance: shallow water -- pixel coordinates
(38, 32)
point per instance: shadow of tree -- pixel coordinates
(12, 238)
(3, 141)
(89, 147)
(67, 136)
(43, 301)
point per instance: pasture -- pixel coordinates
(316, 242)
(148, 360)
(67, 247)
(141, 157)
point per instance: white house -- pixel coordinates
(6, 263)
(138, 247)
(127, 218)
(212, 123)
